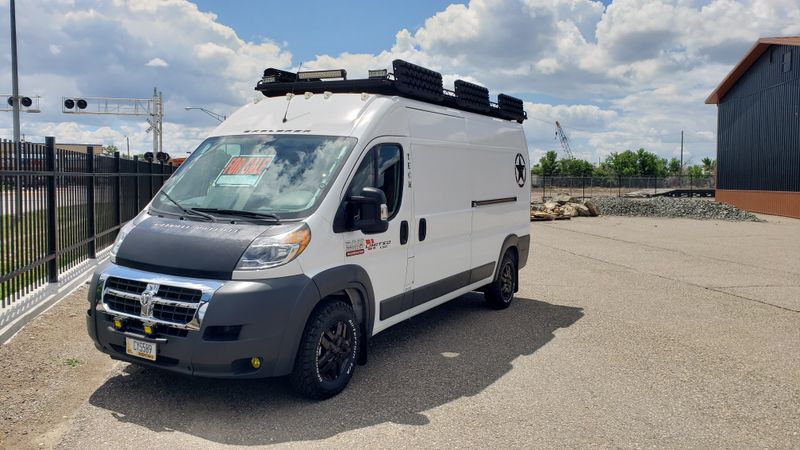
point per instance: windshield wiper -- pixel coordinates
(241, 213)
(191, 211)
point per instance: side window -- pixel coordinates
(381, 168)
(364, 175)
(390, 175)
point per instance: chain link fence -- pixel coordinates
(544, 187)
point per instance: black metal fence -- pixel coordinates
(618, 186)
(59, 207)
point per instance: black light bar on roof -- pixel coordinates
(380, 73)
(272, 75)
(322, 74)
(408, 80)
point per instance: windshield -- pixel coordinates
(284, 175)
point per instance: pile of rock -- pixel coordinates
(672, 207)
(563, 207)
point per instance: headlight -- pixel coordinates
(120, 237)
(275, 247)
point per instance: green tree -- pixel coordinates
(623, 164)
(695, 171)
(674, 166)
(639, 163)
(575, 167)
(709, 165)
(649, 164)
(110, 150)
(549, 163)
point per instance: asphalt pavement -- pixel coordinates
(626, 332)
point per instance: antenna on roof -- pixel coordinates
(289, 100)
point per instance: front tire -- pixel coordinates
(328, 351)
(500, 292)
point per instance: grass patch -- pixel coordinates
(72, 362)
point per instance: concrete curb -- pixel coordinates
(16, 316)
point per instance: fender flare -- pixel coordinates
(323, 284)
(522, 245)
(510, 241)
(345, 277)
(351, 277)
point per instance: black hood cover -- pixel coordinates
(187, 248)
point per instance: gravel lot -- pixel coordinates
(627, 332)
(703, 209)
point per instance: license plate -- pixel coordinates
(142, 349)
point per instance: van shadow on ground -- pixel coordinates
(452, 351)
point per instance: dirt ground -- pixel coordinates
(48, 371)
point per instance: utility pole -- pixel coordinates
(14, 71)
(160, 102)
(681, 152)
(128, 144)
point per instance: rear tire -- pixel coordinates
(328, 351)
(500, 292)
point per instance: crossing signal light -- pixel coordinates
(24, 101)
(162, 157)
(71, 103)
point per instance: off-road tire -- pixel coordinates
(307, 379)
(500, 292)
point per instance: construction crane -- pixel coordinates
(564, 140)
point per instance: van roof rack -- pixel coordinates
(407, 80)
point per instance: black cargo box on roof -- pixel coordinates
(408, 80)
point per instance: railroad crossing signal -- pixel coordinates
(26, 104)
(152, 108)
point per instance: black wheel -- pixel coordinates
(328, 351)
(501, 291)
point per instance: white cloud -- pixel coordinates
(156, 62)
(110, 49)
(633, 74)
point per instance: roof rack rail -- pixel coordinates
(407, 80)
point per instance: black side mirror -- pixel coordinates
(369, 211)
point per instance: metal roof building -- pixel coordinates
(758, 129)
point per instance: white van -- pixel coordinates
(314, 219)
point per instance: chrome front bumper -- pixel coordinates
(148, 300)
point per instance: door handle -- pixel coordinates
(403, 232)
(423, 229)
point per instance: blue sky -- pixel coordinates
(323, 27)
(618, 75)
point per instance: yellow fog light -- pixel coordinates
(148, 329)
(118, 324)
(255, 362)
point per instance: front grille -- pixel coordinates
(172, 313)
(123, 305)
(168, 302)
(129, 286)
(179, 294)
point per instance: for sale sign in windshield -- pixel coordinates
(243, 170)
